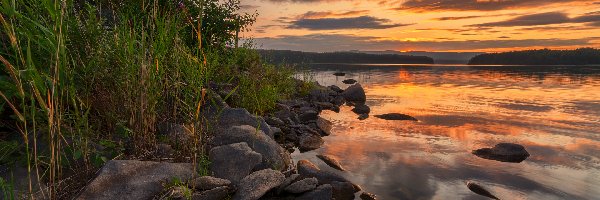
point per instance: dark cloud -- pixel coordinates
(339, 42)
(325, 14)
(544, 19)
(460, 5)
(362, 22)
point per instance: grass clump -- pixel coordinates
(83, 82)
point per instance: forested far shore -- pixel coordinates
(295, 57)
(582, 56)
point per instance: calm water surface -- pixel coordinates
(553, 111)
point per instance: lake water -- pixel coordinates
(554, 111)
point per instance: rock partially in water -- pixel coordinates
(308, 169)
(255, 185)
(361, 109)
(335, 88)
(355, 93)
(504, 152)
(303, 185)
(338, 101)
(309, 142)
(319, 95)
(132, 179)
(273, 155)
(218, 193)
(233, 162)
(477, 189)
(323, 192)
(324, 105)
(342, 190)
(209, 182)
(396, 116)
(332, 162)
(368, 196)
(363, 116)
(325, 126)
(349, 81)
(308, 115)
(339, 74)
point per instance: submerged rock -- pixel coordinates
(349, 81)
(480, 190)
(332, 162)
(233, 162)
(355, 93)
(258, 183)
(132, 179)
(396, 116)
(504, 152)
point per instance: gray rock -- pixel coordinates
(319, 95)
(274, 121)
(332, 162)
(286, 114)
(309, 142)
(287, 182)
(273, 155)
(361, 109)
(335, 88)
(504, 152)
(323, 192)
(233, 161)
(324, 105)
(218, 193)
(338, 100)
(303, 185)
(349, 81)
(258, 183)
(355, 93)
(368, 196)
(229, 117)
(325, 126)
(209, 182)
(308, 169)
(396, 116)
(308, 115)
(131, 179)
(342, 190)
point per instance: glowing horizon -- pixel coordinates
(424, 25)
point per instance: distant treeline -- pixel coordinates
(294, 57)
(582, 56)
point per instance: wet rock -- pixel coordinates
(319, 95)
(308, 169)
(342, 190)
(368, 196)
(308, 115)
(323, 192)
(363, 116)
(287, 116)
(396, 116)
(355, 93)
(233, 162)
(504, 152)
(324, 105)
(289, 180)
(339, 74)
(335, 109)
(361, 109)
(273, 155)
(477, 189)
(349, 81)
(325, 126)
(131, 179)
(335, 88)
(209, 182)
(332, 162)
(218, 193)
(309, 142)
(258, 183)
(303, 185)
(238, 116)
(338, 100)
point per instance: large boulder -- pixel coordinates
(332, 162)
(319, 95)
(308, 169)
(361, 109)
(233, 161)
(255, 185)
(355, 93)
(132, 179)
(303, 185)
(229, 117)
(504, 152)
(273, 155)
(323, 192)
(309, 142)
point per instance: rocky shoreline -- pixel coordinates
(249, 155)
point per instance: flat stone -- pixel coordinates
(273, 155)
(323, 192)
(504, 152)
(233, 161)
(255, 185)
(218, 193)
(368, 196)
(342, 190)
(309, 142)
(132, 179)
(302, 185)
(332, 162)
(209, 182)
(396, 116)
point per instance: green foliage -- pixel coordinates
(7, 190)
(203, 166)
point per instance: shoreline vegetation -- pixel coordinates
(299, 57)
(581, 56)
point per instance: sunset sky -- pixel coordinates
(424, 25)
